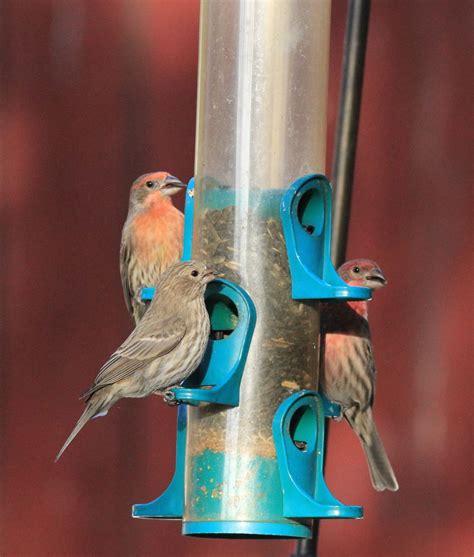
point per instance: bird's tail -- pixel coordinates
(381, 472)
(93, 408)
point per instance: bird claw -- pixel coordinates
(170, 398)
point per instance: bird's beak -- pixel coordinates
(211, 274)
(172, 185)
(377, 278)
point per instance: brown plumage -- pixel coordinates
(164, 349)
(348, 374)
(152, 236)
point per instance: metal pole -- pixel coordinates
(348, 122)
(342, 172)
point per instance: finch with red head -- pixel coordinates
(152, 236)
(164, 349)
(348, 375)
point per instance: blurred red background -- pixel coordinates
(96, 93)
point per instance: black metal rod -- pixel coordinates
(345, 145)
(342, 172)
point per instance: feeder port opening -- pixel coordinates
(302, 429)
(223, 314)
(310, 212)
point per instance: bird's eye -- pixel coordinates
(194, 273)
(356, 270)
(149, 184)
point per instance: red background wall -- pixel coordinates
(96, 93)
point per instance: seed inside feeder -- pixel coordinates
(247, 246)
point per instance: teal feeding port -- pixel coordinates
(306, 214)
(217, 379)
(298, 430)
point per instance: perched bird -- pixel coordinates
(152, 236)
(348, 375)
(163, 350)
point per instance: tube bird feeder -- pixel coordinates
(251, 438)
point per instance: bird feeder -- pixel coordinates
(250, 440)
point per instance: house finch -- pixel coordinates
(152, 236)
(163, 350)
(348, 376)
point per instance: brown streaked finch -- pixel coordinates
(152, 236)
(348, 374)
(164, 349)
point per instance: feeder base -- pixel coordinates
(235, 529)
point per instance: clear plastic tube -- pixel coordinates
(263, 74)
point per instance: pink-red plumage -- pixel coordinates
(348, 373)
(152, 236)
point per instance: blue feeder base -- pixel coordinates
(228, 529)
(170, 503)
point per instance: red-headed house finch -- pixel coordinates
(152, 236)
(164, 349)
(348, 375)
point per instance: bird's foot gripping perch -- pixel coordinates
(169, 395)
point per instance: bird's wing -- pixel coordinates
(371, 364)
(125, 254)
(367, 379)
(137, 351)
(151, 345)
